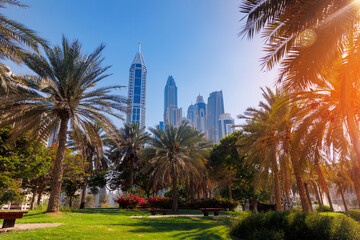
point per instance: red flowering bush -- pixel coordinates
(130, 202)
(160, 202)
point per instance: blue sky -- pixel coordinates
(195, 41)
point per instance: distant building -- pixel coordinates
(137, 90)
(172, 114)
(215, 108)
(226, 125)
(200, 114)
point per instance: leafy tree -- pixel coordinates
(174, 153)
(230, 169)
(62, 93)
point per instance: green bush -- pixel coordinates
(324, 207)
(160, 202)
(295, 226)
(212, 203)
(354, 214)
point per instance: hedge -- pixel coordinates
(292, 225)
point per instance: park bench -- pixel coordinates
(207, 210)
(10, 217)
(154, 211)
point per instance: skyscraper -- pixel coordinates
(137, 90)
(196, 114)
(215, 108)
(226, 124)
(172, 114)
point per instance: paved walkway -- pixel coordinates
(185, 215)
(29, 226)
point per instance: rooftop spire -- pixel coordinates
(139, 47)
(139, 57)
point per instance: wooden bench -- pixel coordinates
(10, 217)
(207, 210)
(154, 211)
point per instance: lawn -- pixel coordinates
(113, 223)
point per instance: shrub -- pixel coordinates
(213, 203)
(295, 226)
(160, 202)
(354, 214)
(324, 207)
(105, 205)
(104, 199)
(90, 201)
(130, 202)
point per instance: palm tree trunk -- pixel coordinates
(83, 193)
(277, 184)
(308, 195)
(343, 199)
(317, 195)
(57, 175)
(131, 177)
(324, 185)
(174, 183)
(300, 185)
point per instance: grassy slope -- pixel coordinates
(112, 223)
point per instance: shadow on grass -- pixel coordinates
(183, 227)
(112, 211)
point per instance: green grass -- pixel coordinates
(113, 223)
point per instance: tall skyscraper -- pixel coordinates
(137, 90)
(215, 108)
(172, 114)
(226, 124)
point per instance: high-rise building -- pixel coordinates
(196, 114)
(172, 114)
(226, 124)
(215, 108)
(137, 90)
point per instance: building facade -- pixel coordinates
(215, 108)
(137, 90)
(172, 114)
(226, 124)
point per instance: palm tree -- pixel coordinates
(125, 153)
(175, 153)
(91, 151)
(15, 39)
(62, 92)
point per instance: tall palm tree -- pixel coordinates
(175, 153)
(62, 92)
(132, 138)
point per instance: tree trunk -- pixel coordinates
(33, 199)
(308, 195)
(131, 177)
(317, 195)
(70, 201)
(57, 175)
(330, 202)
(277, 184)
(300, 185)
(191, 191)
(343, 199)
(83, 193)
(323, 185)
(230, 192)
(174, 183)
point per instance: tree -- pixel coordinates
(62, 92)
(228, 167)
(125, 153)
(174, 153)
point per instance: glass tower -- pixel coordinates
(172, 114)
(215, 108)
(137, 90)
